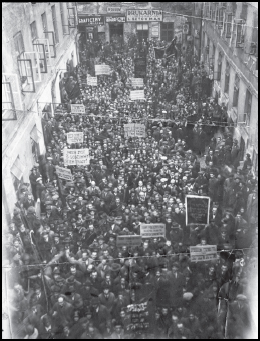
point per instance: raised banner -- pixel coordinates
(92, 81)
(73, 157)
(134, 130)
(137, 82)
(127, 240)
(75, 137)
(197, 209)
(64, 173)
(77, 109)
(136, 95)
(102, 69)
(203, 253)
(153, 230)
(133, 15)
(139, 130)
(139, 316)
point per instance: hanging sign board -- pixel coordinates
(203, 253)
(102, 69)
(197, 209)
(127, 240)
(64, 173)
(110, 19)
(153, 230)
(92, 81)
(137, 82)
(113, 9)
(133, 15)
(90, 20)
(75, 137)
(136, 95)
(77, 109)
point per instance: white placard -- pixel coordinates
(92, 81)
(202, 253)
(137, 82)
(78, 157)
(64, 173)
(75, 137)
(136, 94)
(102, 69)
(77, 109)
(153, 230)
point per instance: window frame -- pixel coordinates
(55, 25)
(44, 24)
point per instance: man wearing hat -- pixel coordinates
(100, 314)
(35, 174)
(252, 208)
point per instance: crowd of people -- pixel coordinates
(68, 276)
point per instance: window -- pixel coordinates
(17, 174)
(220, 57)
(18, 43)
(236, 91)
(229, 25)
(55, 27)
(34, 31)
(248, 106)
(44, 24)
(142, 31)
(167, 31)
(227, 77)
(62, 18)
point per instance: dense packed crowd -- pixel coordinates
(68, 277)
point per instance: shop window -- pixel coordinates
(142, 31)
(236, 91)
(167, 31)
(55, 25)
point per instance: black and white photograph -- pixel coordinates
(130, 170)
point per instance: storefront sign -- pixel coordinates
(75, 137)
(84, 20)
(203, 253)
(137, 82)
(153, 230)
(77, 109)
(113, 9)
(115, 19)
(74, 157)
(128, 240)
(102, 70)
(133, 15)
(197, 209)
(92, 81)
(136, 94)
(64, 173)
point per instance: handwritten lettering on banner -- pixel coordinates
(102, 69)
(139, 316)
(136, 94)
(153, 230)
(77, 109)
(92, 81)
(64, 173)
(139, 130)
(131, 240)
(203, 253)
(129, 129)
(78, 157)
(137, 82)
(197, 209)
(75, 137)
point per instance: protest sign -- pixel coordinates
(153, 230)
(78, 157)
(75, 137)
(136, 94)
(140, 67)
(137, 82)
(139, 130)
(202, 253)
(197, 209)
(139, 316)
(64, 173)
(92, 81)
(77, 109)
(134, 130)
(102, 69)
(127, 240)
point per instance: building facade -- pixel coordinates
(39, 47)
(226, 40)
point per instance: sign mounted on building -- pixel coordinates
(115, 19)
(90, 20)
(133, 15)
(113, 9)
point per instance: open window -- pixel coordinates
(52, 43)
(11, 97)
(40, 49)
(26, 73)
(44, 51)
(34, 56)
(240, 33)
(17, 174)
(71, 20)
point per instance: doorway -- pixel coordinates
(116, 31)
